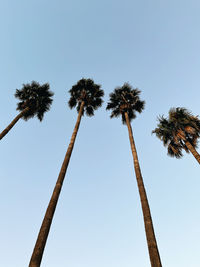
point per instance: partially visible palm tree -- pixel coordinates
(125, 102)
(86, 96)
(35, 100)
(180, 131)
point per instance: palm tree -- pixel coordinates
(180, 131)
(86, 96)
(125, 102)
(35, 100)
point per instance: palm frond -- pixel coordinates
(179, 127)
(85, 90)
(174, 150)
(37, 98)
(125, 99)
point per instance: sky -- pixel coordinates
(153, 45)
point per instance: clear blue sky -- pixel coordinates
(154, 45)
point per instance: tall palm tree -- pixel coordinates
(180, 131)
(35, 100)
(125, 102)
(86, 96)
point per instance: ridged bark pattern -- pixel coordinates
(150, 235)
(46, 224)
(193, 151)
(9, 127)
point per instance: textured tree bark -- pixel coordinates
(150, 235)
(193, 151)
(46, 224)
(9, 127)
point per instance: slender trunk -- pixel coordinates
(193, 151)
(9, 127)
(150, 235)
(46, 224)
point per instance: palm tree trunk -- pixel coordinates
(150, 235)
(193, 151)
(46, 224)
(9, 127)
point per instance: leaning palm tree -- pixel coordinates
(125, 102)
(86, 96)
(180, 131)
(35, 100)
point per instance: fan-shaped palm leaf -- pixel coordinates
(35, 100)
(181, 130)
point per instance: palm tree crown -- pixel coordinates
(36, 98)
(88, 92)
(178, 129)
(123, 100)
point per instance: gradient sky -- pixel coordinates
(154, 45)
